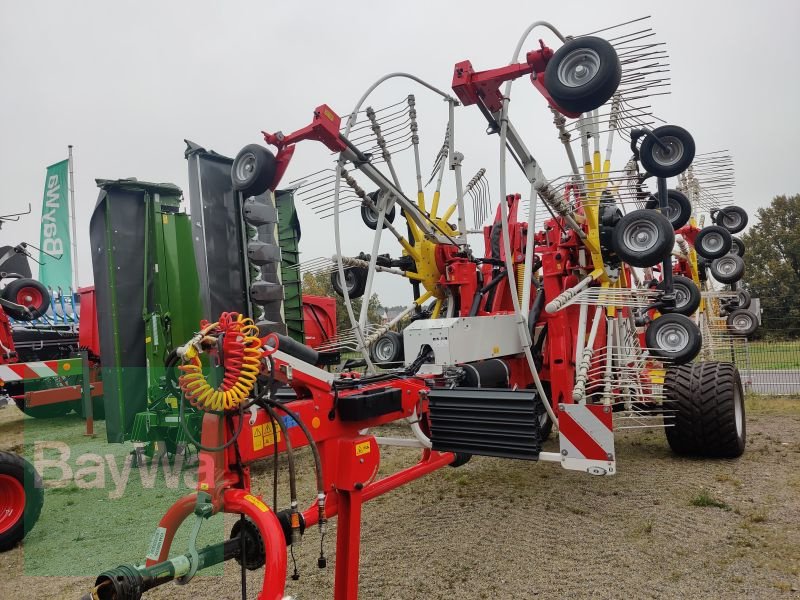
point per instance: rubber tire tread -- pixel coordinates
(19, 468)
(701, 395)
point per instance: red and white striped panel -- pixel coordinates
(586, 438)
(28, 370)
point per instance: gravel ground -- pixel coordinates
(513, 529)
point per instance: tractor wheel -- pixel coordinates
(728, 269)
(742, 322)
(583, 74)
(687, 296)
(643, 238)
(673, 337)
(672, 161)
(370, 216)
(732, 218)
(713, 242)
(388, 348)
(737, 246)
(21, 499)
(29, 293)
(355, 280)
(679, 208)
(253, 170)
(705, 401)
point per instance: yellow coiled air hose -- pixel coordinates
(240, 355)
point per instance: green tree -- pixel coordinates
(773, 265)
(319, 284)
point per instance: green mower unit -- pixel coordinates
(148, 301)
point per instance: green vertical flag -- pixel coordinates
(56, 268)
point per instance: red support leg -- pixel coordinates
(348, 542)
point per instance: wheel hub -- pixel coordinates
(672, 338)
(12, 502)
(681, 296)
(712, 242)
(672, 154)
(641, 236)
(726, 266)
(246, 166)
(579, 67)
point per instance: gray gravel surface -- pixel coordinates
(510, 529)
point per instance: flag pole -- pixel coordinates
(72, 216)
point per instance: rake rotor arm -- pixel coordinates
(324, 128)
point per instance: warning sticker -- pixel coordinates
(363, 448)
(156, 543)
(256, 502)
(263, 435)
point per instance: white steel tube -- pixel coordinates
(76, 283)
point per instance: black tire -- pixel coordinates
(643, 238)
(679, 208)
(732, 218)
(15, 524)
(743, 299)
(370, 216)
(673, 337)
(675, 160)
(687, 296)
(737, 246)
(545, 423)
(742, 322)
(712, 242)
(728, 268)
(583, 74)
(704, 410)
(702, 269)
(253, 170)
(355, 279)
(29, 293)
(461, 458)
(387, 349)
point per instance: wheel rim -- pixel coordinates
(742, 322)
(384, 349)
(672, 338)
(731, 220)
(673, 211)
(640, 236)
(672, 154)
(371, 215)
(713, 242)
(738, 411)
(12, 502)
(682, 296)
(245, 167)
(579, 67)
(30, 296)
(350, 280)
(742, 298)
(735, 248)
(726, 266)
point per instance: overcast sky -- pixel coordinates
(126, 82)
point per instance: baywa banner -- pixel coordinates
(56, 268)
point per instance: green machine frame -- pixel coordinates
(148, 303)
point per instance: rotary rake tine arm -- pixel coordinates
(324, 128)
